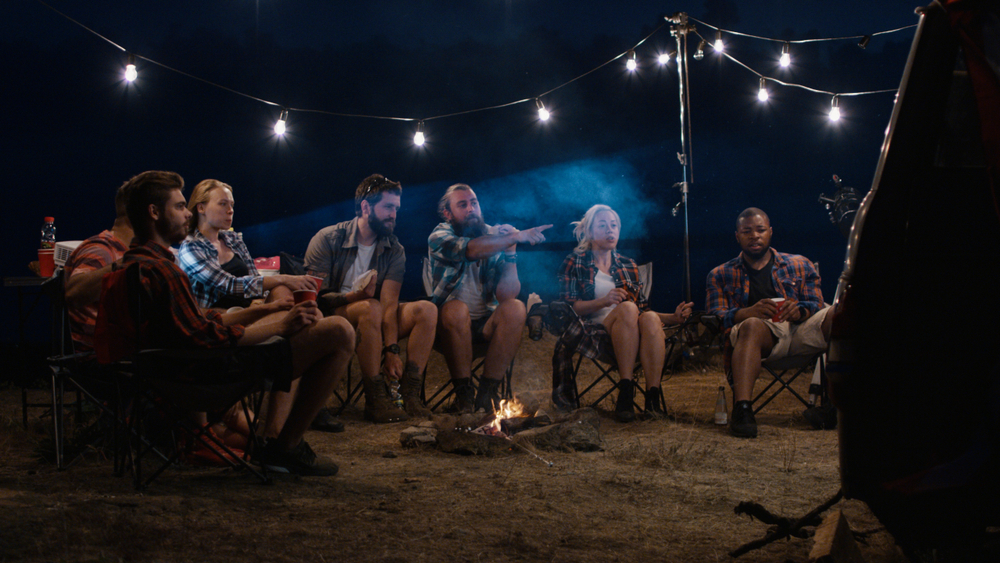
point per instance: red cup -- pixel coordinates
(304, 295)
(777, 302)
(46, 262)
(319, 281)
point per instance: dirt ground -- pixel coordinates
(660, 490)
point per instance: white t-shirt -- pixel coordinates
(360, 266)
(470, 292)
(603, 284)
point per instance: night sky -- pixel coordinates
(74, 131)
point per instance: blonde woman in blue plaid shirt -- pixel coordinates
(217, 262)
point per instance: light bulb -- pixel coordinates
(543, 114)
(699, 53)
(130, 72)
(762, 93)
(719, 45)
(664, 58)
(630, 60)
(279, 127)
(418, 137)
(835, 109)
(785, 59)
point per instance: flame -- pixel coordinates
(508, 409)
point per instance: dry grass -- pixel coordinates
(660, 490)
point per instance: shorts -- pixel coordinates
(799, 339)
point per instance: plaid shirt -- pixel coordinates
(93, 254)
(209, 282)
(576, 278)
(794, 277)
(446, 251)
(173, 318)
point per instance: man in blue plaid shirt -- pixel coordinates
(772, 302)
(475, 286)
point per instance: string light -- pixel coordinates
(130, 72)
(543, 114)
(279, 127)
(785, 59)
(719, 45)
(418, 137)
(762, 93)
(835, 109)
(699, 53)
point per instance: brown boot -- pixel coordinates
(412, 383)
(378, 406)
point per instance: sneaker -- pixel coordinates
(325, 422)
(743, 424)
(300, 460)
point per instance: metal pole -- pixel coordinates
(680, 31)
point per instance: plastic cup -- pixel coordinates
(777, 302)
(319, 281)
(304, 295)
(46, 262)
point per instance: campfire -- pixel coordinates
(508, 410)
(506, 431)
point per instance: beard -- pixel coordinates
(174, 233)
(472, 227)
(379, 226)
(753, 256)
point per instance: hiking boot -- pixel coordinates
(465, 395)
(743, 424)
(325, 422)
(624, 410)
(379, 408)
(413, 382)
(488, 398)
(300, 460)
(654, 405)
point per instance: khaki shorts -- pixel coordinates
(793, 339)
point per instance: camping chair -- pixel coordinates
(783, 372)
(169, 384)
(561, 315)
(92, 385)
(479, 350)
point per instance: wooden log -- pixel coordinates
(834, 542)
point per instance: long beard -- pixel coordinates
(473, 227)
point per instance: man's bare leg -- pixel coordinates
(504, 330)
(455, 342)
(754, 343)
(418, 322)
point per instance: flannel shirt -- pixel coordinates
(794, 277)
(173, 318)
(446, 251)
(209, 282)
(93, 254)
(589, 339)
(334, 249)
(576, 278)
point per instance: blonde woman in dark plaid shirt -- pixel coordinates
(603, 287)
(773, 304)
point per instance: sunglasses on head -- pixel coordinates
(375, 186)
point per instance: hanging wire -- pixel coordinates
(762, 38)
(527, 99)
(795, 85)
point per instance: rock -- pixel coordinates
(469, 443)
(579, 432)
(414, 436)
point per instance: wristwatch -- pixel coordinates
(391, 348)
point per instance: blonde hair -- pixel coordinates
(581, 228)
(201, 194)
